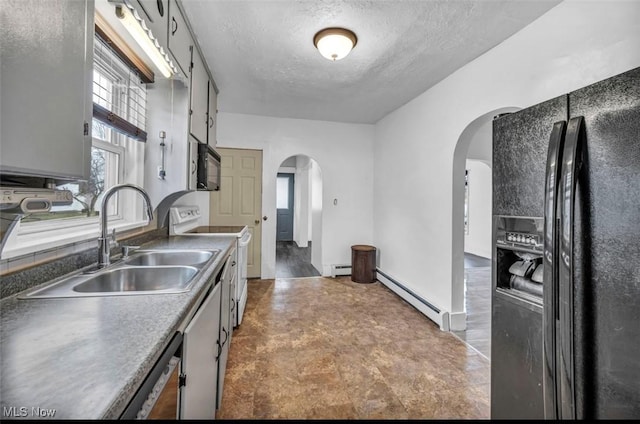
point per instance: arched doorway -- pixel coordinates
(299, 218)
(471, 232)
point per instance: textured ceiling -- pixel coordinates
(263, 60)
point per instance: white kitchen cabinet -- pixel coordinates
(200, 360)
(156, 14)
(179, 38)
(226, 324)
(46, 85)
(212, 116)
(233, 297)
(199, 102)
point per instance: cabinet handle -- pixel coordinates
(226, 336)
(219, 349)
(234, 305)
(210, 122)
(174, 25)
(233, 263)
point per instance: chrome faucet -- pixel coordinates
(103, 240)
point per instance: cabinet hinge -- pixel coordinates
(182, 380)
(190, 112)
(86, 128)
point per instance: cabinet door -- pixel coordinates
(199, 88)
(45, 82)
(212, 114)
(234, 304)
(156, 14)
(180, 41)
(200, 360)
(225, 323)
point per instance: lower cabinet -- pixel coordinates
(188, 379)
(205, 348)
(226, 323)
(200, 360)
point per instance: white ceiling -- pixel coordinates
(263, 60)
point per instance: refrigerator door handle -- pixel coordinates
(550, 279)
(565, 348)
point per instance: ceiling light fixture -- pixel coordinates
(335, 43)
(144, 38)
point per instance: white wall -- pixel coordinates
(343, 152)
(481, 143)
(316, 216)
(302, 207)
(478, 241)
(575, 44)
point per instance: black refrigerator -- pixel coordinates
(566, 257)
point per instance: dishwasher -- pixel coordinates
(159, 395)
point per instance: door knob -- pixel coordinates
(264, 218)
(257, 221)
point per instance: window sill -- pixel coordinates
(34, 242)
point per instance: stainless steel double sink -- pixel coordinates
(157, 271)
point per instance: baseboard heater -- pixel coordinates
(432, 312)
(340, 269)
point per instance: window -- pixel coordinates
(115, 152)
(282, 197)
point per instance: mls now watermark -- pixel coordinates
(23, 411)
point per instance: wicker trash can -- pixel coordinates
(363, 263)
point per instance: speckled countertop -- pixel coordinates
(86, 357)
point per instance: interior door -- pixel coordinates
(239, 200)
(284, 204)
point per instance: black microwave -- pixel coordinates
(208, 168)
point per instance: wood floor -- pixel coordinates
(293, 261)
(324, 348)
(477, 280)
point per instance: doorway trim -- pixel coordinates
(316, 231)
(458, 315)
(290, 206)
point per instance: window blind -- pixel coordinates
(119, 95)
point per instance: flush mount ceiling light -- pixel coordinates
(335, 43)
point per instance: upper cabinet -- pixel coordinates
(156, 15)
(46, 85)
(199, 104)
(179, 38)
(212, 115)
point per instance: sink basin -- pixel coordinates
(139, 279)
(155, 271)
(169, 257)
(122, 280)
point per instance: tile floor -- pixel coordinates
(329, 348)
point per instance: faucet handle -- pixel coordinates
(127, 249)
(113, 241)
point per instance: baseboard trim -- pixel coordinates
(435, 314)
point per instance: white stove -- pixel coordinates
(186, 221)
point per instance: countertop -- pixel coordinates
(86, 357)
